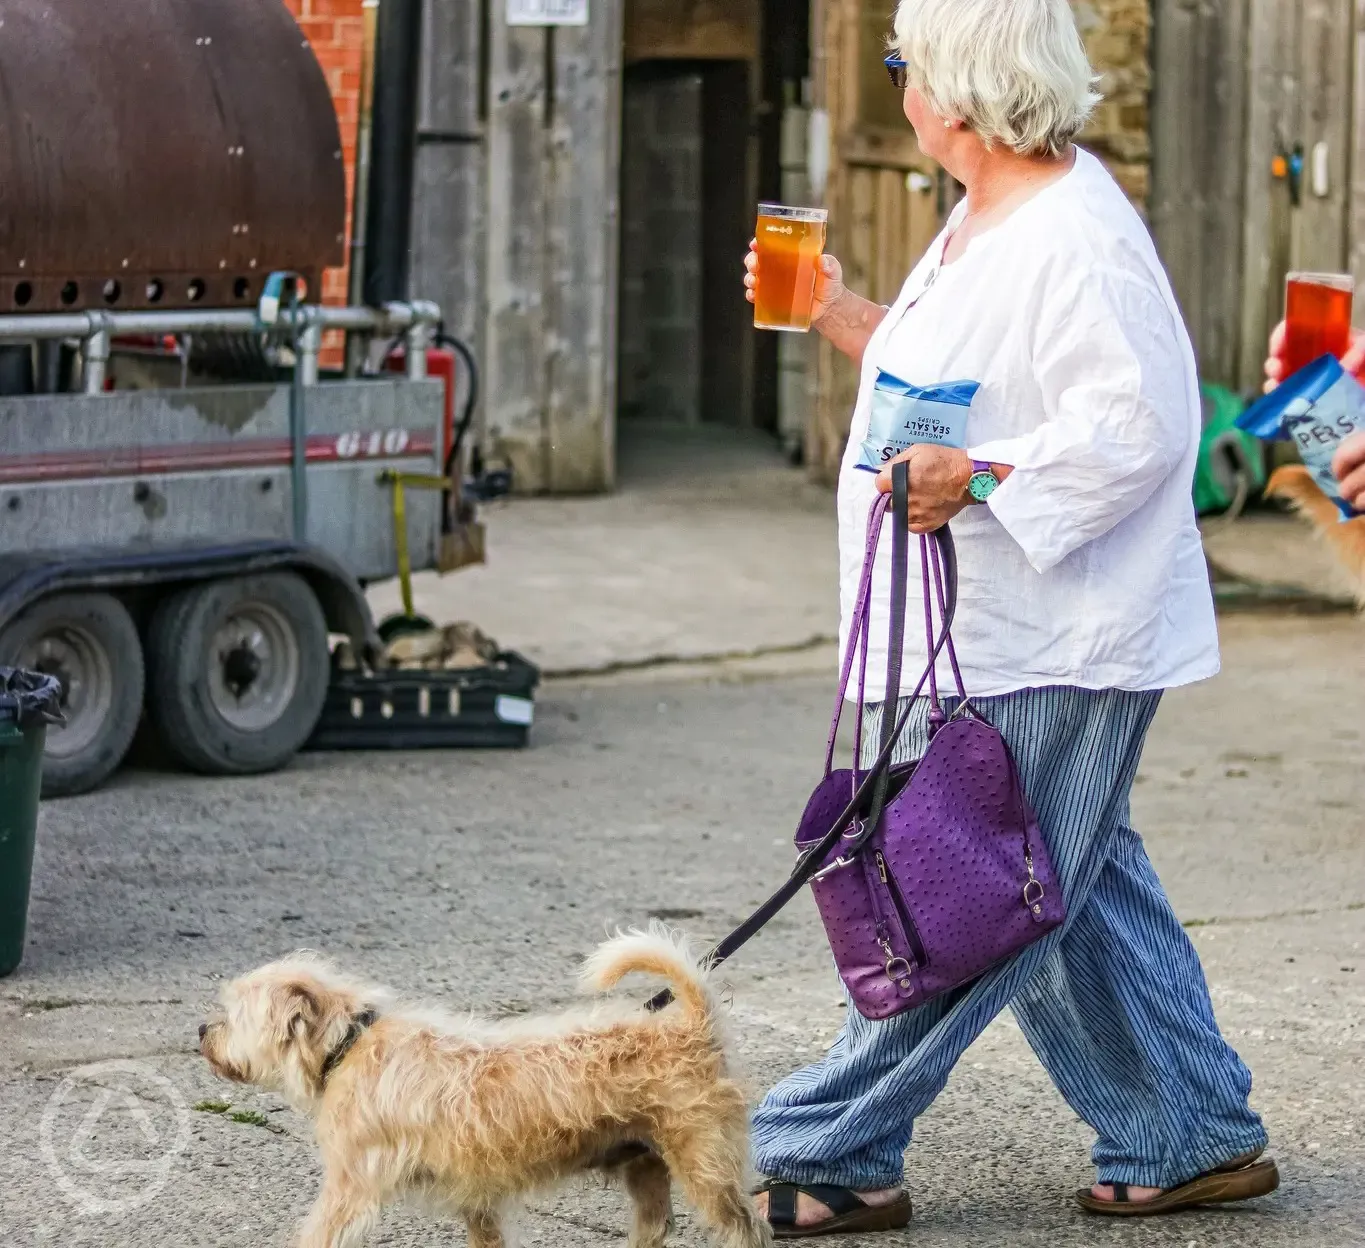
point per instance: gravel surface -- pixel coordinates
(480, 879)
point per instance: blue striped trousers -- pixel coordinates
(1114, 1004)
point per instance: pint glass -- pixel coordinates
(1317, 318)
(790, 243)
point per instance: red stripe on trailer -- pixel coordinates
(372, 445)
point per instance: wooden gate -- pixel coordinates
(886, 199)
(1253, 162)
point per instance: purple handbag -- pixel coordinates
(928, 873)
(941, 873)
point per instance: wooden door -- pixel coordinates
(1239, 88)
(886, 199)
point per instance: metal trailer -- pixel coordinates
(187, 552)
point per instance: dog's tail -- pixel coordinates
(1295, 484)
(655, 952)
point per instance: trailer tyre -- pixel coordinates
(238, 673)
(90, 643)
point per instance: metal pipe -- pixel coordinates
(394, 318)
(97, 349)
(388, 227)
(309, 347)
(357, 345)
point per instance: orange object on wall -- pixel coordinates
(336, 30)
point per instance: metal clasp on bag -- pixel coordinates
(855, 832)
(898, 970)
(1034, 892)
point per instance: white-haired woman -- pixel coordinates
(1083, 595)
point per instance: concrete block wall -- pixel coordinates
(1118, 35)
(662, 212)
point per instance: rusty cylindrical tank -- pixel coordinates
(162, 153)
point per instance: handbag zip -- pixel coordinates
(912, 936)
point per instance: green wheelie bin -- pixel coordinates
(28, 703)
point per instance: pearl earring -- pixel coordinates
(947, 125)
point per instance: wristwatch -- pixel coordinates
(983, 482)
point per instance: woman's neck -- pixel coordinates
(999, 180)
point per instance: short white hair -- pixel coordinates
(1015, 71)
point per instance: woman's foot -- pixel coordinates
(1136, 1195)
(810, 1212)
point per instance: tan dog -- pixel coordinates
(468, 1116)
(1295, 484)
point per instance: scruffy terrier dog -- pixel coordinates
(1295, 484)
(468, 1116)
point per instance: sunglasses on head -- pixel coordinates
(899, 72)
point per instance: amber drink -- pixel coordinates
(1317, 317)
(790, 244)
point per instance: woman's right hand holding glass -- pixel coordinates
(829, 283)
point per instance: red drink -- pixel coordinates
(1317, 318)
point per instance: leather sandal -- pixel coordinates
(1242, 1178)
(851, 1214)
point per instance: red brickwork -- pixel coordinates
(336, 29)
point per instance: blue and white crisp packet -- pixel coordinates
(903, 416)
(1318, 408)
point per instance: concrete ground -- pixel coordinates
(479, 880)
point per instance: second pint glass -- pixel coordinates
(790, 244)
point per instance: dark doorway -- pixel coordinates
(684, 204)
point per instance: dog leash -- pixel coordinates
(877, 780)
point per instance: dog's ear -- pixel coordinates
(302, 1011)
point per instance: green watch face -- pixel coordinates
(982, 486)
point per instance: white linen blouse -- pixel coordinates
(1086, 567)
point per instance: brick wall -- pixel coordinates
(1117, 35)
(336, 29)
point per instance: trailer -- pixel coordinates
(191, 504)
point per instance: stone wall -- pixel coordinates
(661, 223)
(1117, 35)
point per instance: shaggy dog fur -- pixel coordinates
(1295, 484)
(468, 1116)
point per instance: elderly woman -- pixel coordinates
(1084, 594)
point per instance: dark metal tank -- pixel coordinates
(162, 153)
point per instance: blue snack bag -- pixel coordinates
(903, 416)
(1318, 408)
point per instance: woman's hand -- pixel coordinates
(1349, 465)
(829, 283)
(938, 484)
(1353, 361)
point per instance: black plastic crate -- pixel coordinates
(475, 708)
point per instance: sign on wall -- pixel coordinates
(547, 12)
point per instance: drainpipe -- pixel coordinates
(388, 226)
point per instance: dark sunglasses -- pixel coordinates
(899, 71)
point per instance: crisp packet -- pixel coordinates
(903, 416)
(1318, 408)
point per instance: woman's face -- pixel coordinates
(928, 125)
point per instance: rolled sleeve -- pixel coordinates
(1110, 365)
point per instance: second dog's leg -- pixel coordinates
(710, 1165)
(341, 1217)
(650, 1189)
(485, 1229)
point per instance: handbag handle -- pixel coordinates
(812, 859)
(937, 552)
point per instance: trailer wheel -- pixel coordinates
(238, 673)
(90, 644)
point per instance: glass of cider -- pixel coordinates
(1317, 318)
(790, 244)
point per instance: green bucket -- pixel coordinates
(28, 703)
(1230, 462)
